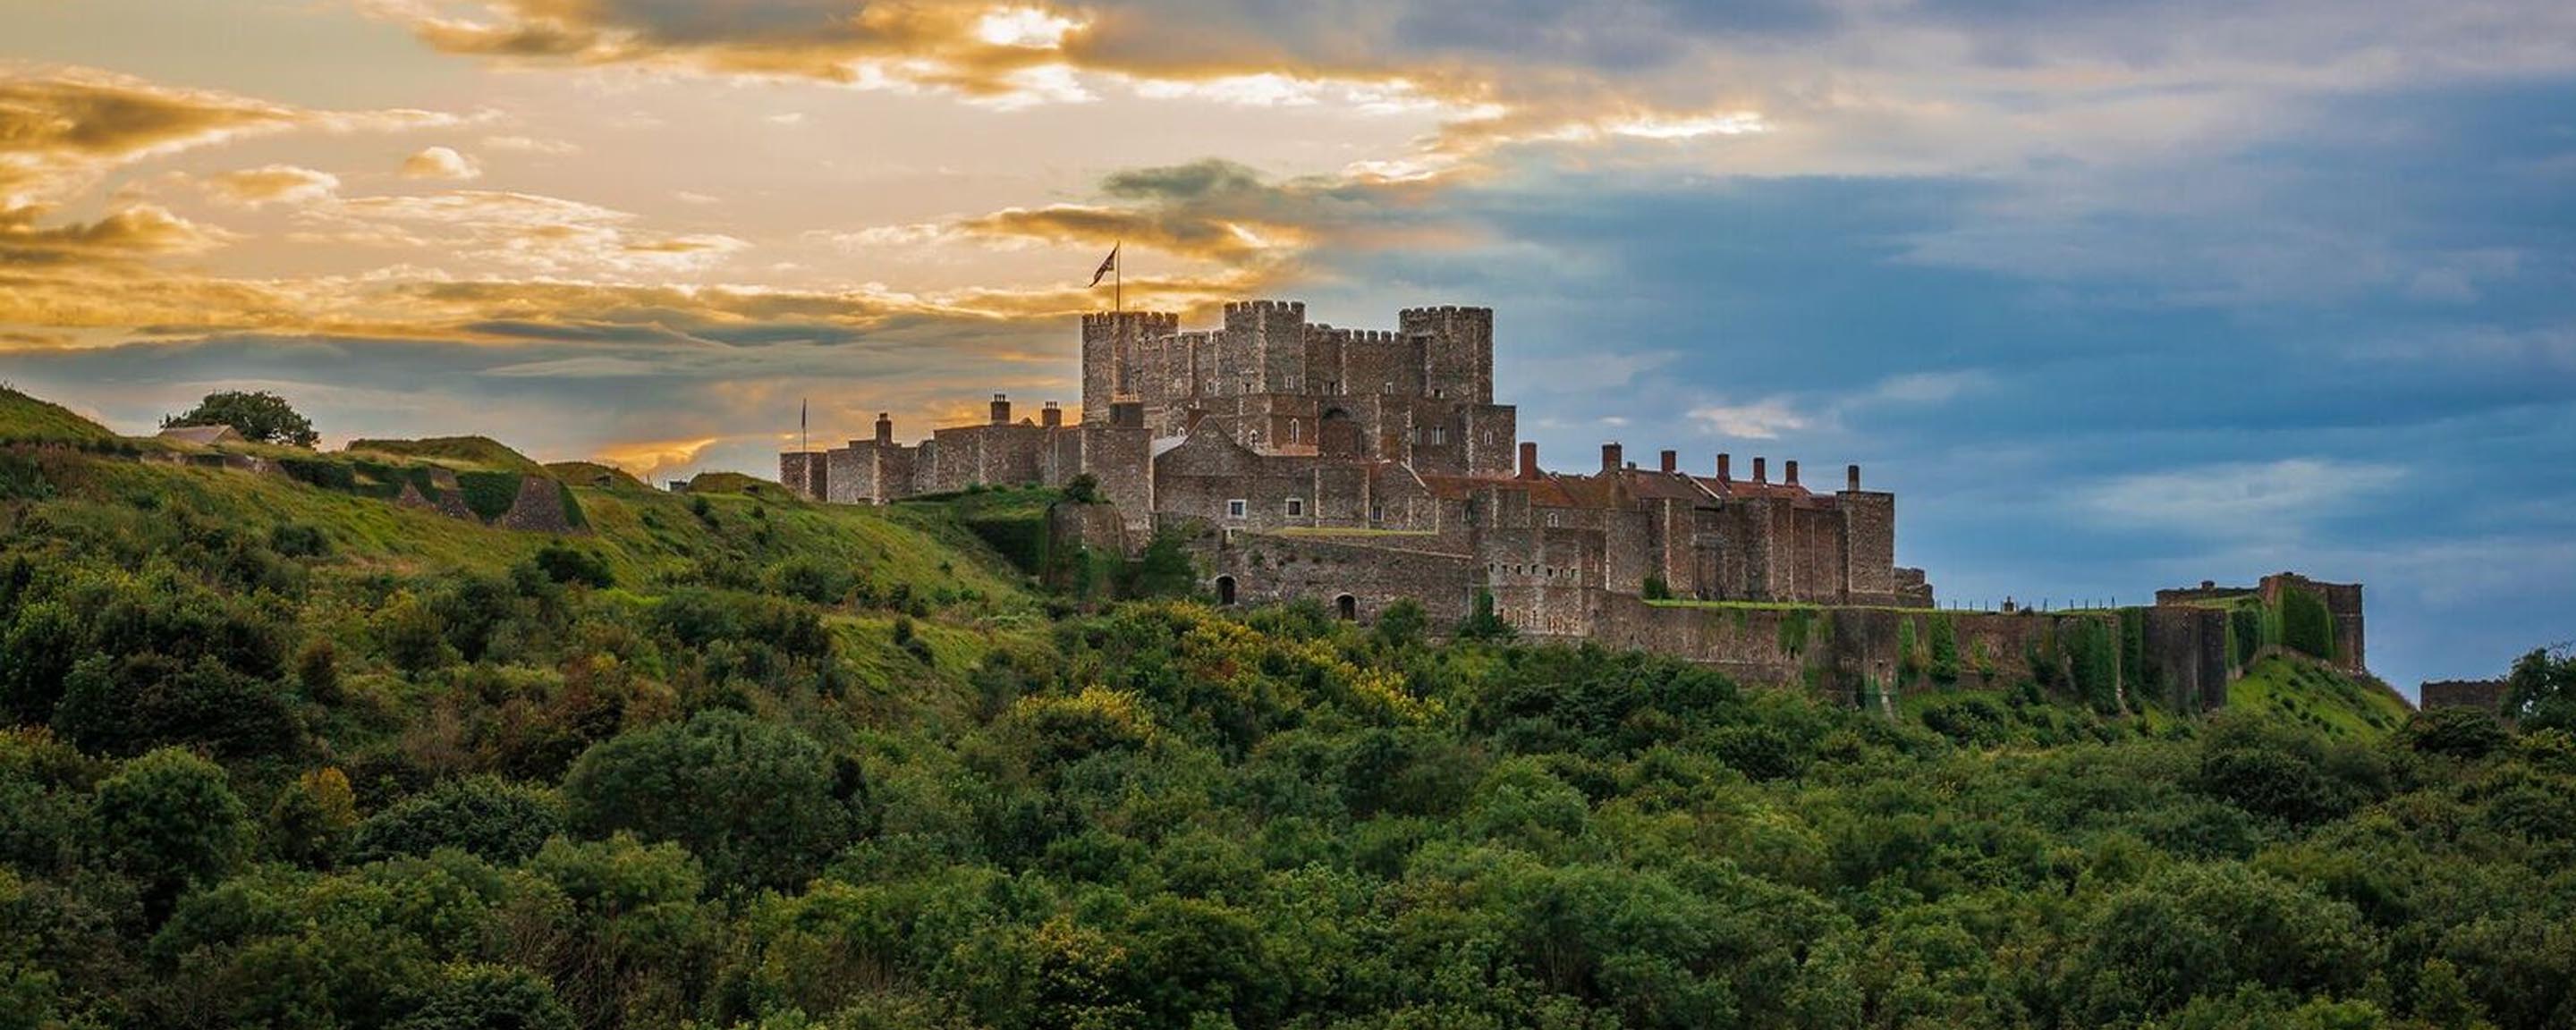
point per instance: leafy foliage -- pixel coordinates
(2306, 626)
(259, 416)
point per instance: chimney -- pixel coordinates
(885, 429)
(1725, 467)
(1001, 409)
(1051, 416)
(1529, 459)
(1851, 478)
(1759, 474)
(1610, 457)
(1672, 462)
(1789, 470)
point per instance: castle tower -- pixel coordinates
(1265, 347)
(1113, 346)
(1458, 351)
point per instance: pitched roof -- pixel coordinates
(201, 436)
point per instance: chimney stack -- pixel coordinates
(1725, 467)
(1001, 409)
(1760, 475)
(1051, 416)
(1609, 457)
(1789, 471)
(1851, 478)
(1529, 459)
(885, 429)
(1672, 462)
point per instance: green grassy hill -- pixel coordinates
(2319, 697)
(595, 474)
(25, 419)
(454, 451)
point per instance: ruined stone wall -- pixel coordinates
(2484, 695)
(539, 508)
(2343, 602)
(1268, 569)
(1848, 651)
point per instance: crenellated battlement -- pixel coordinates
(1150, 323)
(1281, 307)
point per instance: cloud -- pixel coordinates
(273, 184)
(62, 127)
(440, 163)
(532, 145)
(138, 230)
(2237, 500)
(1760, 420)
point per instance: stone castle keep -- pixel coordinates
(1361, 466)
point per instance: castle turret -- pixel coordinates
(1458, 350)
(1113, 356)
(1265, 347)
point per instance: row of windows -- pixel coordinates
(1235, 509)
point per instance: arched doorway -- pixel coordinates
(1347, 607)
(1225, 590)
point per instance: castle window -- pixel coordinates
(1294, 433)
(1551, 520)
(1234, 508)
(1439, 435)
(1296, 507)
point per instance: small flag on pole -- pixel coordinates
(1107, 265)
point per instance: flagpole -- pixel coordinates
(1118, 276)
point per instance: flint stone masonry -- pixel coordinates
(2484, 695)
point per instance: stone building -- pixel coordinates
(1358, 467)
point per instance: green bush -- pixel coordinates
(480, 815)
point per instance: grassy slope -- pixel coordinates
(2319, 697)
(591, 473)
(480, 451)
(643, 535)
(24, 418)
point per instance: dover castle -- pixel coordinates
(1357, 467)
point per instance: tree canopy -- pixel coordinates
(259, 416)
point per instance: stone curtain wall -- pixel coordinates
(1845, 651)
(2484, 695)
(1272, 569)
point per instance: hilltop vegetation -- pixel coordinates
(25, 419)
(286, 755)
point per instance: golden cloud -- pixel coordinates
(440, 163)
(273, 184)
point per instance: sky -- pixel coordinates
(2114, 295)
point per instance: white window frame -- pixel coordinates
(1235, 508)
(1296, 507)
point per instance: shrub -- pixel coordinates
(170, 820)
(297, 540)
(565, 564)
(482, 815)
(760, 803)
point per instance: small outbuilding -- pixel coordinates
(201, 436)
